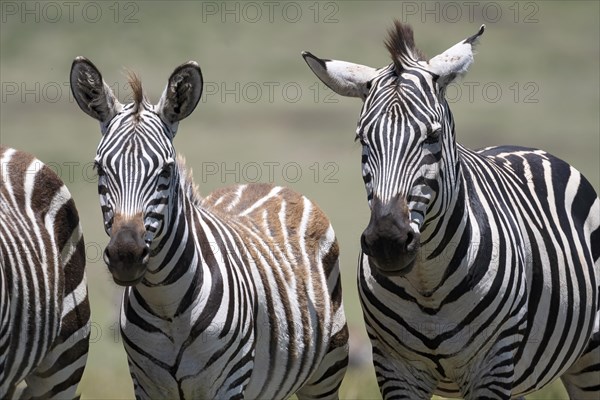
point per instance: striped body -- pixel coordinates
(44, 311)
(519, 272)
(236, 295)
(262, 301)
(479, 273)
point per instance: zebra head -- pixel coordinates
(135, 160)
(407, 134)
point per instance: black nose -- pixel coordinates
(383, 241)
(389, 240)
(127, 256)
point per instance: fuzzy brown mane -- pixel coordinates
(401, 45)
(190, 188)
(136, 87)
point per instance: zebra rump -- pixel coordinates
(44, 309)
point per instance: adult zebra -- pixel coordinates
(479, 270)
(236, 295)
(44, 309)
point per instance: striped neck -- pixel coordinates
(446, 233)
(449, 190)
(174, 260)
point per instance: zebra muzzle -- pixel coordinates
(389, 240)
(127, 253)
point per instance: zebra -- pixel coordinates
(44, 308)
(479, 270)
(234, 295)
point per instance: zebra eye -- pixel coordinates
(360, 138)
(166, 171)
(98, 168)
(433, 137)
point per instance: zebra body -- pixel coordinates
(237, 234)
(480, 270)
(44, 311)
(547, 283)
(236, 295)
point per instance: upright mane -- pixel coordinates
(136, 87)
(190, 188)
(401, 45)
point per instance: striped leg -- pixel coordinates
(493, 376)
(51, 376)
(137, 388)
(326, 381)
(399, 380)
(495, 384)
(5, 331)
(582, 380)
(59, 373)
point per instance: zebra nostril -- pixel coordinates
(412, 240)
(409, 240)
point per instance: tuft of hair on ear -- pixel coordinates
(401, 45)
(135, 83)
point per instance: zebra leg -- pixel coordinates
(60, 371)
(326, 380)
(401, 379)
(493, 378)
(582, 380)
(6, 388)
(138, 390)
(496, 384)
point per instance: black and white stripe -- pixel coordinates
(44, 309)
(236, 295)
(499, 294)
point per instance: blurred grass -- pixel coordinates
(553, 61)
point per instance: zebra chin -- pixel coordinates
(399, 266)
(126, 273)
(391, 257)
(127, 280)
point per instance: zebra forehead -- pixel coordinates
(134, 149)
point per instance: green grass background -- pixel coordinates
(544, 57)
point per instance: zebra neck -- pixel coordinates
(445, 239)
(174, 266)
(449, 197)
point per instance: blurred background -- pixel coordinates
(265, 117)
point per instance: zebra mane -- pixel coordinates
(136, 87)
(401, 45)
(189, 187)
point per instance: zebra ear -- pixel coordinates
(92, 94)
(182, 94)
(455, 61)
(344, 78)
